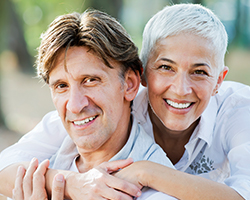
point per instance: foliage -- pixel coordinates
(36, 15)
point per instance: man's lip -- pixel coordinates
(84, 121)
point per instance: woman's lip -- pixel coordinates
(178, 104)
(178, 101)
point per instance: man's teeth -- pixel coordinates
(85, 121)
(178, 105)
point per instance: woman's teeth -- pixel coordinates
(178, 105)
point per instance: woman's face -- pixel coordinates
(181, 75)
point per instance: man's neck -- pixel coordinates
(89, 160)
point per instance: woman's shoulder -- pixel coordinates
(232, 93)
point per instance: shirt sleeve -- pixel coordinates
(234, 119)
(41, 142)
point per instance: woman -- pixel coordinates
(203, 129)
(201, 126)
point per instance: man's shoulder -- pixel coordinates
(145, 148)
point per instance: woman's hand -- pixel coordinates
(134, 173)
(98, 183)
(30, 184)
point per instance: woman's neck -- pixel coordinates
(171, 141)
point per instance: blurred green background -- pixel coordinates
(24, 100)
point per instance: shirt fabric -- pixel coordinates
(219, 148)
(140, 146)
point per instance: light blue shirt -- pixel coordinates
(140, 146)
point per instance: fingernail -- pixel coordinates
(19, 169)
(33, 160)
(138, 194)
(59, 177)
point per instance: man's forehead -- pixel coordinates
(79, 61)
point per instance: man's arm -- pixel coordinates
(8, 177)
(90, 185)
(41, 142)
(30, 184)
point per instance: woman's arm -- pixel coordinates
(176, 183)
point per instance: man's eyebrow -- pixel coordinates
(53, 83)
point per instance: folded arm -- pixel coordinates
(176, 183)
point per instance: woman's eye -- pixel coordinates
(165, 67)
(200, 72)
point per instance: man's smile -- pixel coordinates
(85, 121)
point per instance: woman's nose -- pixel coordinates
(181, 85)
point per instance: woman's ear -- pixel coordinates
(132, 84)
(220, 79)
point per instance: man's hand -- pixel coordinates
(98, 183)
(30, 184)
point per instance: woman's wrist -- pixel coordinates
(143, 169)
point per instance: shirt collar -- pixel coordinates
(205, 128)
(140, 105)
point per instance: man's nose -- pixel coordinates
(77, 101)
(181, 85)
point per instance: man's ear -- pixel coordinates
(132, 83)
(220, 79)
(143, 80)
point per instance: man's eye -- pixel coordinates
(90, 80)
(200, 72)
(60, 86)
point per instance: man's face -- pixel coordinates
(89, 97)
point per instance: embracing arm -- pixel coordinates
(176, 183)
(97, 182)
(90, 185)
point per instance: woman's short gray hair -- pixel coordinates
(184, 18)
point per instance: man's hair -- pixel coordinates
(184, 18)
(94, 29)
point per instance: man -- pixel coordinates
(93, 70)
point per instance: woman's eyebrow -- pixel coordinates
(201, 64)
(167, 59)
